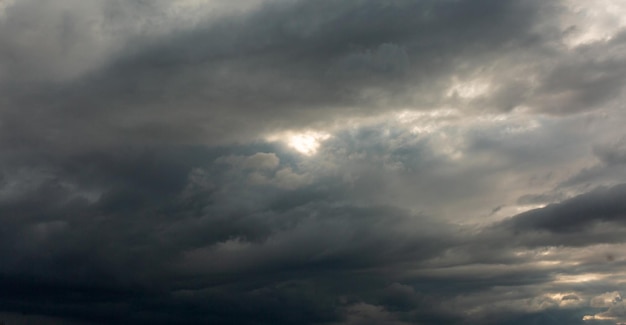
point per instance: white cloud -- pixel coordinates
(586, 22)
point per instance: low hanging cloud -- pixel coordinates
(579, 213)
(312, 162)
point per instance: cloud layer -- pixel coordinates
(312, 162)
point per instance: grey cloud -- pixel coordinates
(46, 42)
(221, 252)
(177, 235)
(208, 84)
(608, 169)
(589, 79)
(616, 308)
(169, 227)
(265, 70)
(540, 198)
(204, 246)
(612, 153)
(137, 184)
(600, 205)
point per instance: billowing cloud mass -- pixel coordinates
(312, 162)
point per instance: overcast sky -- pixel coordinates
(312, 162)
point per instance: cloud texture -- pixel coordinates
(312, 162)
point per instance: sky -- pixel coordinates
(312, 162)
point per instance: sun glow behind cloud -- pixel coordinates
(306, 143)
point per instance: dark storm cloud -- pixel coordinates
(286, 65)
(188, 235)
(166, 235)
(136, 187)
(574, 215)
(189, 239)
(192, 252)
